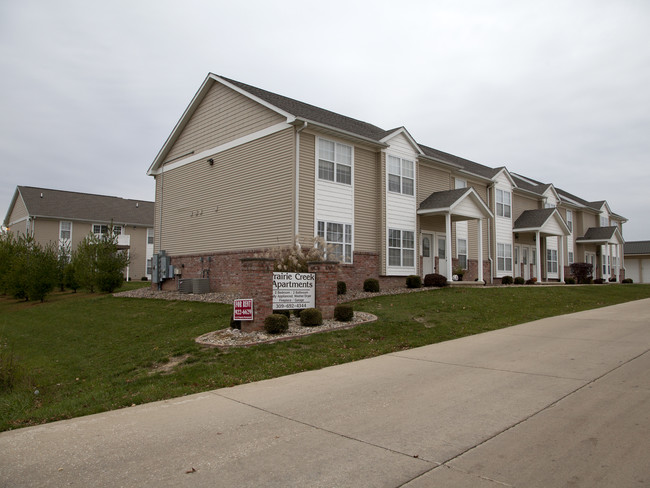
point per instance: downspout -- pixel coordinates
(296, 227)
(489, 235)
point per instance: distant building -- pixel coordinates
(65, 218)
(637, 261)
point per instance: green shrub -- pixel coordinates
(296, 312)
(144, 278)
(627, 280)
(343, 313)
(371, 285)
(413, 281)
(507, 280)
(286, 313)
(235, 324)
(341, 288)
(582, 272)
(311, 317)
(519, 280)
(435, 279)
(598, 281)
(531, 281)
(276, 323)
(570, 281)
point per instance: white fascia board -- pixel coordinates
(442, 210)
(347, 134)
(478, 201)
(474, 175)
(552, 188)
(530, 182)
(402, 130)
(6, 222)
(505, 171)
(223, 147)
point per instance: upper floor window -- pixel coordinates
(401, 175)
(149, 236)
(569, 219)
(102, 230)
(504, 206)
(604, 221)
(334, 162)
(65, 230)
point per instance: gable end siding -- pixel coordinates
(223, 116)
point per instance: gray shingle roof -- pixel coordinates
(44, 202)
(466, 164)
(637, 247)
(316, 114)
(598, 233)
(442, 199)
(532, 219)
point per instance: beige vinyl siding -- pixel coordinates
(18, 212)
(19, 228)
(366, 201)
(222, 116)
(521, 204)
(46, 231)
(430, 180)
(243, 201)
(137, 251)
(307, 182)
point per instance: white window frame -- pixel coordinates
(504, 209)
(570, 258)
(117, 229)
(604, 221)
(504, 257)
(569, 220)
(337, 160)
(150, 236)
(62, 230)
(400, 175)
(461, 256)
(551, 261)
(326, 231)
(398, 240)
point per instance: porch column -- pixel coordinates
(450, 276)
(560, 264)
(480, 249)
(538, 250)
(608, 262)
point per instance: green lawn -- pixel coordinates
(88, 353)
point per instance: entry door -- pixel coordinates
(524, 261)
(442, 255)
(428, 259)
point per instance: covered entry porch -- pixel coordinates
(459, 205)
(540, 225)
(609, 239)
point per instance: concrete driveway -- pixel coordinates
(557, 402)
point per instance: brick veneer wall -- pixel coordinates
(257, 283)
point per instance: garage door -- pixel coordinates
(645, 266)
(632, 269)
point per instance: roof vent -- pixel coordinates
(137, 204)
(41, 195)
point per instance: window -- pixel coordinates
(65, 231)
(570, 258)
(401, 175)
(569, 220)
(334, 162)
(401, 248)
(150, 236)
(149, 266)
(426, 247)
(606, 268)
(504, 257)
(551, 261)
(503, 203)
(604, 222)
(461, 251)
(338, 238)
(102, 230)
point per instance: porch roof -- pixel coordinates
(546, 221)
(461, 204)
(601, 236)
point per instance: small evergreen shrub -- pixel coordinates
(519, 280)
(413, 281)
(582, 272)
(296, 312)
(570, 281)
(311, 317)
(343, 313)
(235, 324)
(371, 285)
(341, 288)
(144, 278)
(286, 313)
(507, 280)
(627, 280)
(612, 279)
(435, 279)
(531, 281)
(598, 281)
(276, 323)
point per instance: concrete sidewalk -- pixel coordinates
(563, 401)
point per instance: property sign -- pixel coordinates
(294, 291)
(243, 309)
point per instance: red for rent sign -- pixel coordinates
(243, 309)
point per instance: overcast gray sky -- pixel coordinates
(558, 91)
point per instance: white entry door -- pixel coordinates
(442, 255)
(428, 259)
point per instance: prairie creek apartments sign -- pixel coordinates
(292, 291)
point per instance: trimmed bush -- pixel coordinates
(612, 279)
(276, 323)
(435, 279)
(582, 272)
(627, 280)
(371, 285)
(341, 288)
(286, 313)
(570, 281)
(413, 281)
(519, 280)
(235, 324)
(144, 278)
(296, 312)
(311, 317)
(507, 280)
(598, 281)
(343, 313)
(531, 281)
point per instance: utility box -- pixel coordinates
(161, 267)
